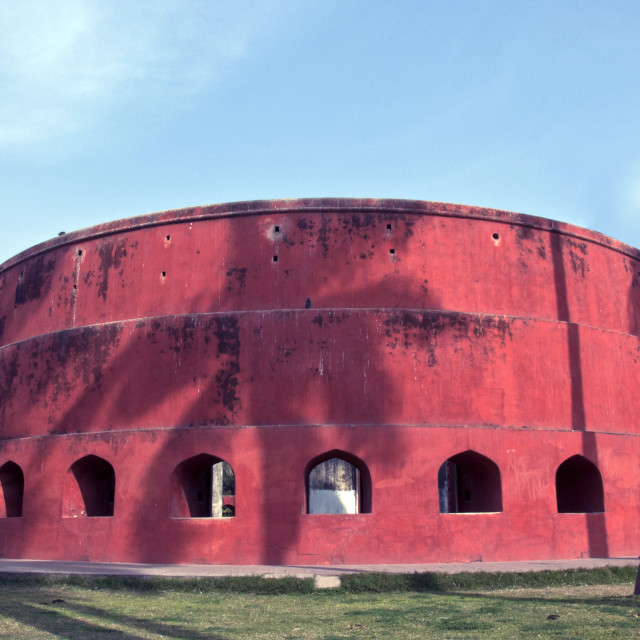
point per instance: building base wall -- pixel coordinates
(271, 525)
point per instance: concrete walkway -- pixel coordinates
(301, 571)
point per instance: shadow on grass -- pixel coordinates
(608, 603)
(68, 620)
(483, 612)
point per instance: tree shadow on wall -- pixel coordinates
(596, 522)
(299, 384)
(120, 381)
(633, 298)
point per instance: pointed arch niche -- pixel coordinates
(337, 482)
(89, 488)
(469, 483)
(11, 490)
(203, 486)
(579, 486)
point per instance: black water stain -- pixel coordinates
(324, 233)
(524, 233)
(422, 331)
(580, 246)
(578, 264)
(236, 279)
(85, 352)
(35, 281)
(111, 253)
(227, 332)
(182, 337)
(9, 370)
(360, 221)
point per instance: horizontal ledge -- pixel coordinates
(142, 431)
(316, 311)
(471, 513)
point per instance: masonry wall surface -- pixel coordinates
(393, 334)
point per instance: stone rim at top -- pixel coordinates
(306, 205)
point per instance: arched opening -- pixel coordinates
(469, 483)
(11, 490)
(89, 488)
(579, 486)
(203, 487)
(337, 482)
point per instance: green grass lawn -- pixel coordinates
(34, 609)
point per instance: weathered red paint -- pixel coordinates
(399, 333)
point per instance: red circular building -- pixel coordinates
(320, 381)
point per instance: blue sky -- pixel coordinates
(112, 109)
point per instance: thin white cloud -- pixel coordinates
(64, 65)
(626, 211)
(630, 209)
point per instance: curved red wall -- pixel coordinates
(266, 334)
